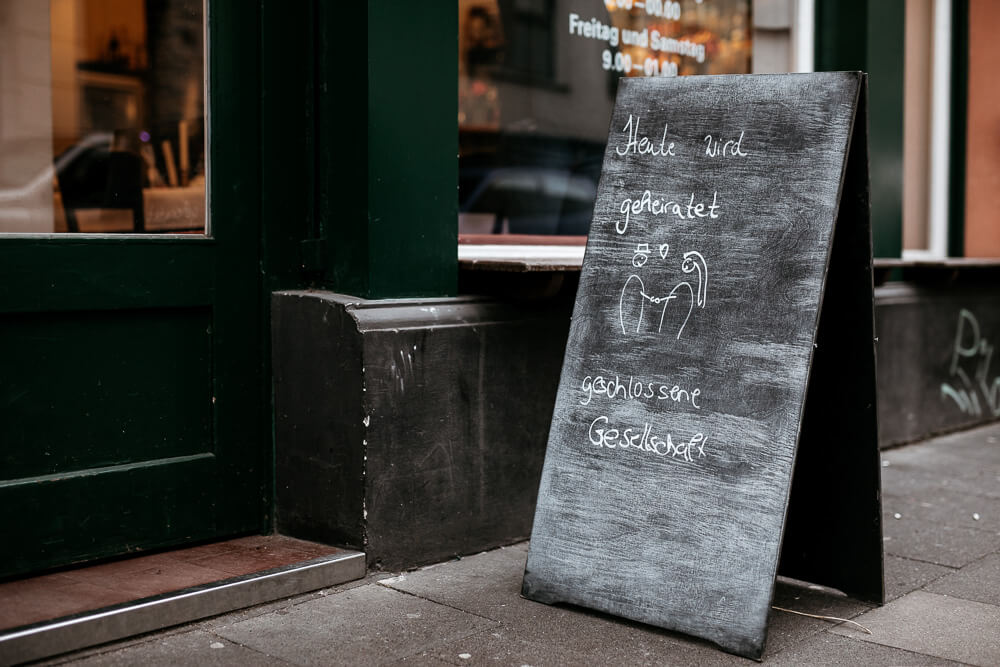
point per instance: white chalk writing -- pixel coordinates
(641, 255)
(651, 217)
(642, 145)
(732, 148)
(683, 211)
(601, 434)
(635, 389)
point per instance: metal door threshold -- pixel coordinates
(70, 633)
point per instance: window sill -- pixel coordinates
(521, 258)
(937, 271)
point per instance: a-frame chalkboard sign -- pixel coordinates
(722, 338)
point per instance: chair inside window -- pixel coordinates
(103, 179)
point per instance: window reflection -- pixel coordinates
(536, 86)
(102, 123)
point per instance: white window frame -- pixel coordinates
(939, 159)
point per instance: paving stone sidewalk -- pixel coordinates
(941, 501)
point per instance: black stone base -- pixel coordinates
(937, 369)
(412, 429)
(415, 430)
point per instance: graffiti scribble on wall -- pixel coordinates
(979, 394)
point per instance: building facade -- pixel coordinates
(232, 299)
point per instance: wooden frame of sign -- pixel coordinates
(723, 335)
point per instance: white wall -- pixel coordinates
(783, 36)
(26, 192)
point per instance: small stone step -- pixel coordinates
(162, 590)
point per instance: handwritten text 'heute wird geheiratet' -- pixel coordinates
(635, 296)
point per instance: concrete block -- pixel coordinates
(935, 369)
(412, 429)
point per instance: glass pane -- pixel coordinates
(536, 83)
(102, 116)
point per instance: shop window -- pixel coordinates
(536, 86)
(102, 121)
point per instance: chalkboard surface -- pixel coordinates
(682, 397)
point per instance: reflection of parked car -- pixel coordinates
(102, 179)
(534, 200)
(27, 207)
(526, 183)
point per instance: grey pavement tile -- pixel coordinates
(187, 648)
(903, 575)
(625, 644)
(954, 546)
(908, 480)
(971, 455)
(489, 585)
(982, 443)
(788, 627)
(508, 648)
(216, 622)
(935, 625)
(501, 646)
(811, 599)
(419, 660)
(361, 626)
(785, 630)
(828, 649)
(645, 644)
(498, 648)
(946, 506)
(953, 472)
(979, 581)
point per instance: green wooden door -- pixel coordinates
(132, 391)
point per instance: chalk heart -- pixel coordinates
(664, 249)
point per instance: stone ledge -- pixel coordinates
(413, 429)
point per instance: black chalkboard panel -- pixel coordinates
(683, 395)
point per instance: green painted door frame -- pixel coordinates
(134, 408)
(959, 126)
(386, 131)
(868, 35)
(360, 145)
(134, 393)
